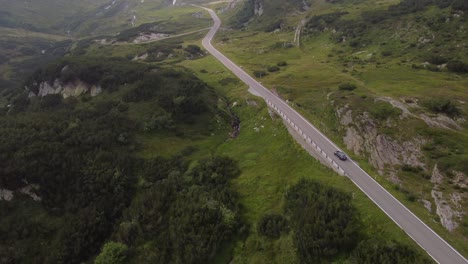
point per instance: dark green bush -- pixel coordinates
(432, 68)
(437, 59)
(324, 221)
(259, 74)
(385, 252)
(282, 64)
(273, 226)
(273, 68)
(442, 105)
(410, 168)
(383, 110)
(193, 49)
(347, 87)
(457, 66)
(228, 80)
(387, 53)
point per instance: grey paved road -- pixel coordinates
(434, 245)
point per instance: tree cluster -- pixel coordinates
(78, 156)
(81, 162)
(377, 251)
(324, 221)
(243, 16)
(177, 93)
(184, 215)
(442, 105)
(106, 72)
(326, 227)
(273, 225)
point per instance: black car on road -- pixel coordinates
(341, 155)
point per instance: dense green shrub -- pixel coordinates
(432, 68)
(410, 168)
(388, 252)
(320, 22)
(442, 105)
(228, 80)
(246, 12)
(282, 64)
(324, 221)
(437, 59)
(50, 101)
(81, 159)
(387, 53)
(112, 253)
(259, 73)
(107, 72)
(273, 68)
(193, 49)
(185, 216)
(457, 66)
(178, 93)
(383, 110)
(347, 87)
(273, 225)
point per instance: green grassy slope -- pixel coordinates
(403, 56)
(271, 162)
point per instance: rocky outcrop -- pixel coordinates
(387, 154)
(230, 6)
(436, 177)
(384, 152)
(439, 120)
(6, 195)
(145, 37)
(447, 214)
(75, 88)
(450, 211)
(258, 7)
(427, 204)
(353, 140)
(460, 179)
(29, 191)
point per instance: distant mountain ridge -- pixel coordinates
(71, 18)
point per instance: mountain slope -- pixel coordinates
(388, 80)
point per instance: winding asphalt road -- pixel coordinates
(432, 243)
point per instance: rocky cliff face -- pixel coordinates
(258, 7)
(448, 205)
(75, 88)
(383, 151)
(388, 154)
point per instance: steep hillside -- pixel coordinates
(73, 155)
(23, 48)
(266, 15)
(49, 16)
(388, 80)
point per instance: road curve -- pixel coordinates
(432, 243)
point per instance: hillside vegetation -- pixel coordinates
(260, 14)
(77, 157)
(387, 80)
(132, 145)
(31, 37)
